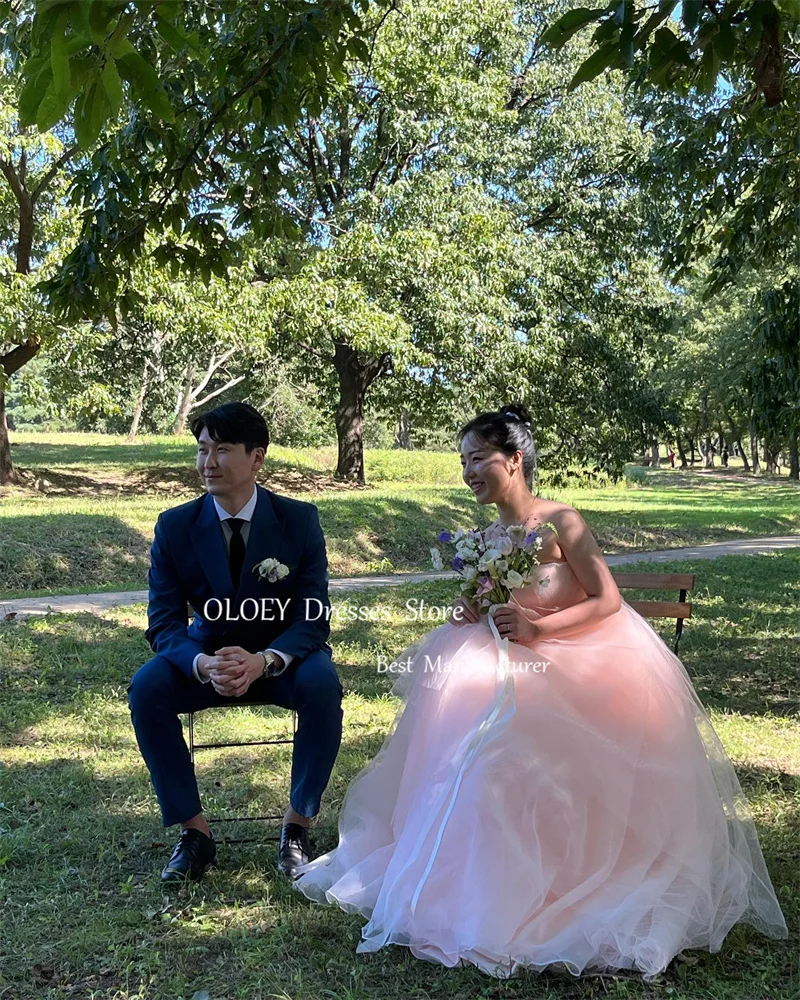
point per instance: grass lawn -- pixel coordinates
(91, 528)
(84, 914)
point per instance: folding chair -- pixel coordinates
(194, 747)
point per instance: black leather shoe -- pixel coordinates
(295, 849)
(194, 854)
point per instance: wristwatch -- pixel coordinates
(273, 665)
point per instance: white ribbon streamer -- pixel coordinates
(504, 691)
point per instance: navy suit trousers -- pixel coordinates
(160, 692)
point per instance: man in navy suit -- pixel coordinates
(253, 638)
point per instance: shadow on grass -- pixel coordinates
(754, 677)
(699, 478)
(53, 550)
(165, 451)
(86, 915)
(366, 530)
(62, 666)
(277, 475)
(55, 666)
(395, 530)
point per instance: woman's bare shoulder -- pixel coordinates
(548, 510)
(565, 519)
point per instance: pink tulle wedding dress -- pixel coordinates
(566, 803)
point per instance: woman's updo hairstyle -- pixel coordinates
(508, 430)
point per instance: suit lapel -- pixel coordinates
(209, 544)
(267, 538)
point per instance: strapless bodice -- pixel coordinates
(556, 587)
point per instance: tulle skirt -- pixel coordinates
(574, 808)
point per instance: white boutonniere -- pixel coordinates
(271, 570)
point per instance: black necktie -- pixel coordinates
(236, 551)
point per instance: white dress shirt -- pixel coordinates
(246, 515)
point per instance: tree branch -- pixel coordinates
(10, 174)
(297, 154)
(20, 355)
(47, 179)
(213, 365)
(205, 131)
(312, 162)
(216, 392)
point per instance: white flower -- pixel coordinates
(436, 559)
(505, 545)
(488, 558)
(271, 570)
(513, 580)
(458, 535)
(469, 573)
(517, 533)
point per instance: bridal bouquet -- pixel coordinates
(493, 562)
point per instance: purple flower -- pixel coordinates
(486, 585)
(530, 538)
(457, 563)
(444, 536)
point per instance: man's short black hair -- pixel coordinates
(235, 423)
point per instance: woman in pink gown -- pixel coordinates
(552, 792)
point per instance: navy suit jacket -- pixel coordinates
(189, 566)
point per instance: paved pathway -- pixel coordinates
(97, 603)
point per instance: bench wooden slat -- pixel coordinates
(662, 609)
(655, 581)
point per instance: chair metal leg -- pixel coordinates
(679, 623)
(194, 746)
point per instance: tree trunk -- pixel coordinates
(16, 176)
(681, 452)
(355, 377)
(8, 474)
(708, 455)
(737, 439)
(11, 363)
(655, 455)
(794, 459)
(184, 402)
(754, 449)
(770, 456)
(692, 450)
(349, 415)
(402, 432)
(137, 413)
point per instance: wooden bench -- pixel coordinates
(680, 610)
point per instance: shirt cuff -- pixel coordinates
(285, 657)
(196, 672)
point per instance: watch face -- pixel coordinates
(275, 665)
